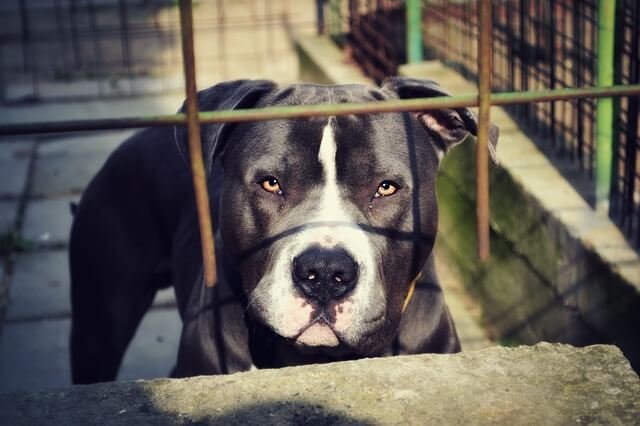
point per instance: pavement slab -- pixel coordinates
(34, 355)
(39, 286)
(65, 166)
(48, 221)
(14, 166)
(8, 213)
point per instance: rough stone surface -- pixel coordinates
(544, 384)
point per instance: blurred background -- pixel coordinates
(561, 269)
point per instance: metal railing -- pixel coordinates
(193, 119)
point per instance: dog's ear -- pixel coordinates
(449, 127)
(230, 95)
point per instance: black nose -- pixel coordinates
(325, 274)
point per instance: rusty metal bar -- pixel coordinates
(306, 111)
(195, 145)
(485, 52)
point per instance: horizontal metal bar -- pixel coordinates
(275, 113)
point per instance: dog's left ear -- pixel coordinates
(449, 127)
(230, 95)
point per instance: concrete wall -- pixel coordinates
(558, 272)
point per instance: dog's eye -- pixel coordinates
(386, 188)
(271, 184)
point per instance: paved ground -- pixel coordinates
(45, 175)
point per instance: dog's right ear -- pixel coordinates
(230, 95)
(448, 127)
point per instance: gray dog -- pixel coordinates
(325, 227)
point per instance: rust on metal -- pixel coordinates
(195, 145)
(306, 111)
(482, 150)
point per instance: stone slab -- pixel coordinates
(34, 355)
(65, 166)
(544, 384)
(48, 221)
(154, 348)
(40, 287)
(8, 212)
(14, 165)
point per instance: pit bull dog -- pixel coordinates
(325, 228)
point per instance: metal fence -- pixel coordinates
(537, 45)
(64, 49)
(625, 193)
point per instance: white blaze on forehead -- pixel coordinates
(331, 206)
(327, 154)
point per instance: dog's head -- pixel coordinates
(329, 220)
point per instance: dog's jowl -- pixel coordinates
(325, 228)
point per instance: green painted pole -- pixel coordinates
(414, 31)
(604, 111)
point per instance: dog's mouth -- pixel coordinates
(317, 333)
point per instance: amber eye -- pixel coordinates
(386, 188)
(271, 184)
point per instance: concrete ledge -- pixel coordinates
(544, 384)
(322, 62)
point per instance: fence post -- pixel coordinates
(195, 146)
(320, 16)
(414, 31)
(604, 111)
(485, 52)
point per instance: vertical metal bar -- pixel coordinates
(604, 121)
(551, 51)
(97, 50)
(414, 31)
(61, 36)
(28, 51)
(124, 41)
(482, 153)
(319, 16)
(195, 146)
(75, 43)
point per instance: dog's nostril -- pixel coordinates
(323, 274)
